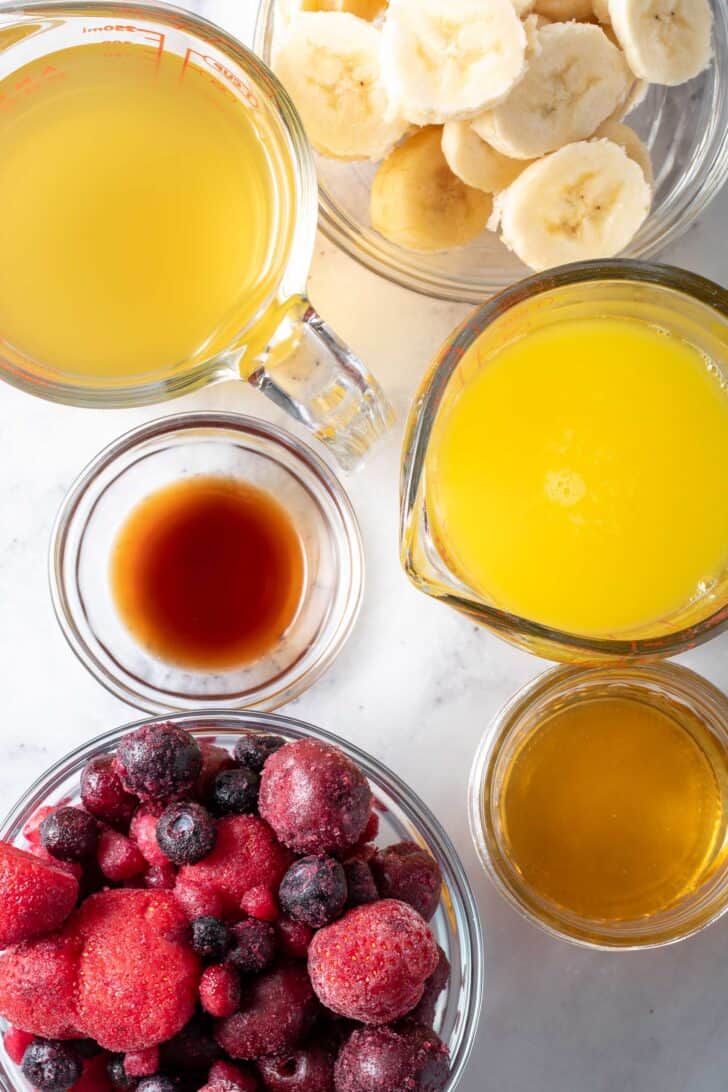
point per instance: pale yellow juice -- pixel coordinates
(579, 477)
(143, 212)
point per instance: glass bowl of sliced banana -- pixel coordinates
(462, 143)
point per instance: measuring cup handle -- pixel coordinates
(328, 389)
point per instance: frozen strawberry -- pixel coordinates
(142, 1063)
(260, 902)
(16, 1043)
(278, 1009)
(119, 858)
(315, 798)
(242, 1077)
(410, 1059)
(36, 896)
(220, 990)
(73, 868)
(372, 964)
(246, 855)
(95, 1076)
(138, 976)
(38, 986)
(143, 831)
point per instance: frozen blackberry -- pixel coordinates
(360, 883)
(211, 938)
(253, 748)
(314, 891)
(310, 1069)
(69, 834)
(254, 946)
(186, 832)
(383, 1058)
(103, 794)
(406, 872)
(51, 1065)
(235, 792)
(158, 761)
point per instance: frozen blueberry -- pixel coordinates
(235, 792)
(254, 946)
(69, 834)
(359, 882)
(381, 1059)
(310, 1069)
(253, 748)
(157, 1083)
(158, 761)
(210, 938)
(406, 872)
(313, 890)
(186, 833)
(118, 1074)
(50, 1065)
(103, 794)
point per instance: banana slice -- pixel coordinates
(523, 7)
(636, 95)
(532, 24)
(363, 9)
(627, 139)
(329, 63)
(561, 11)
(475, 162)
(585, 201)
(417, 202)
(665, 41)
(570, 87)
(601, 11)
(450, 59)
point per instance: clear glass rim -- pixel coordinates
(203, 723)
(303, 217)
(679, 682)
(265, 697)
(389, 261)
(424, 412)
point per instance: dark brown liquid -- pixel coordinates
(208, 573)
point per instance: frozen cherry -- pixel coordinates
(435, 984)
(406, 872)
(360, 883)
(192, 1048)
(235, 792)
(382, 1059)
(186, 832)
(51, 1065)
(239, 1076)
(158, 761)
(69, 834)
(315, 798)
(103, 794)
(278, 1010)
(210, 938)
(313, 890)
(254, 748)
(310, 1069)
(254, 945)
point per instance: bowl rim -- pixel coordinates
(204, 722)
(263, 697)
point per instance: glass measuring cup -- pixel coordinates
(274, 339)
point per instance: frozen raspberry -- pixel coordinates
(254, 946)
(220, 990)
(199, 902)
(158, 761)
(186, 833)
(310, 1069)
(211, 938)
(69, 834)
(16, 1042)
(214, 760)
(246, 855)
(410, 1059)
(295, 937)
(142, 1063)
(435, 984)
(260, 902)
(31, 830)
(138, 977)
(161, 877)
(314, 797)
(192, 1048)
(119, 858)
(50, 1065)
(94, 1077)
(143, 831)
(278, 1009)
(118, 1075)
(103, 794)
(35, 896)
(406, 872)
(372, 964)
(254, 748)
(313, 890)
(235, 792)
(38, 986)
(360, 884)
(241, 1077)
(157, 1083)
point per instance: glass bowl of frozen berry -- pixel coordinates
(235, 903)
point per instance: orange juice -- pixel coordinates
(576, 476)
(144, 212)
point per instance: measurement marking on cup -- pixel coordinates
(227, 74)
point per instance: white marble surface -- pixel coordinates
(415, 685)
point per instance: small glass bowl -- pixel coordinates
(403, 816)
(685, 129)
(153, 456)
(665, 686)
